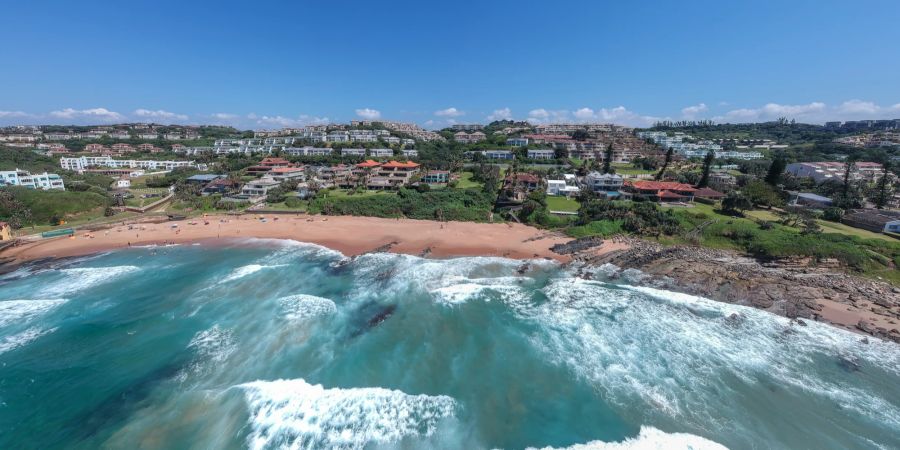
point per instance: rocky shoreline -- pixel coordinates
(794, 289)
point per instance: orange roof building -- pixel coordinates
(661, 190)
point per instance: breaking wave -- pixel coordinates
(21, 311)
(79, 279)
(296, 414)
(650, 439)
(302, 306)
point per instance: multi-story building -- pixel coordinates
(410, 153)
(603, 182)
(353, 152)
(23, 178)
(308, 151)
(467, 127)
(469, 138)
(829, 170)
(517, 141)
(84, 162)
(381, 152)
(541, 154)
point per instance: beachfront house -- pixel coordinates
(392, 175)
(223, 186)
(660, 191)
(436, 177)
(259, 188)
(608, 184)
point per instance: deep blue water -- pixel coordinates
(276, 344)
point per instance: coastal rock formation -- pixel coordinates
(793, 289)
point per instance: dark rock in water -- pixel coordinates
(382, 315)
(577, 245)
(370, 315)
(801, 322)
(848, 363)
(865, 340)
(734, 320)
(523, 268)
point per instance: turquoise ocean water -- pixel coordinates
(278, 344)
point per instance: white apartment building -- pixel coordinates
(353, 152)
(84, 162)
(381, 152)
(308, 151)
(23, 178)
(829, 170)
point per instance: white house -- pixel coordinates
(353, 152)
(541, 154)
(601, 183)
(23, 178)
(381, 152)
(562, 187)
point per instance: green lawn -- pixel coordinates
(465, 181)
(562, 204)
(762, 214)
(834, 227)
(628, 169)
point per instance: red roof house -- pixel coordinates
(661, 190)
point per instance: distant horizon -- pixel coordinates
(483, 123)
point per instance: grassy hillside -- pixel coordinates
(46, 204)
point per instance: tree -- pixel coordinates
(882, 193)
(669, 153)
(736, 202)
(607, 158)
(773, 176)
(762, 194)
(707, 166)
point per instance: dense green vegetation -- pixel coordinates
(12, 158)
(453, 204)
(23, 207)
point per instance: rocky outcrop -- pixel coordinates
(794, 289)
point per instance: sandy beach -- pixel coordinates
(349, 235)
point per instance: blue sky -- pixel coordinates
(267, 64)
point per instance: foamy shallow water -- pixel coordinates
(278, 344)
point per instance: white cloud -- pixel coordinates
(13, 114)
(814, 112)
(288, 122)
(584, 114)
(691, 112)
(224, 116)
(500, 114)
(449, 112)
(619, 115)
(87, 115)
(367, 113)
(159, 115)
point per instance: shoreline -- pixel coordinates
(349, 235)
(840, 300)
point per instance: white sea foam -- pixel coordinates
(78, 279)
(17, 340)
(22, 311)
(651, 439)
(215, 344)
(212, 348)
(297, 415)
(302, 306)
(671, 352)
(249, 269)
